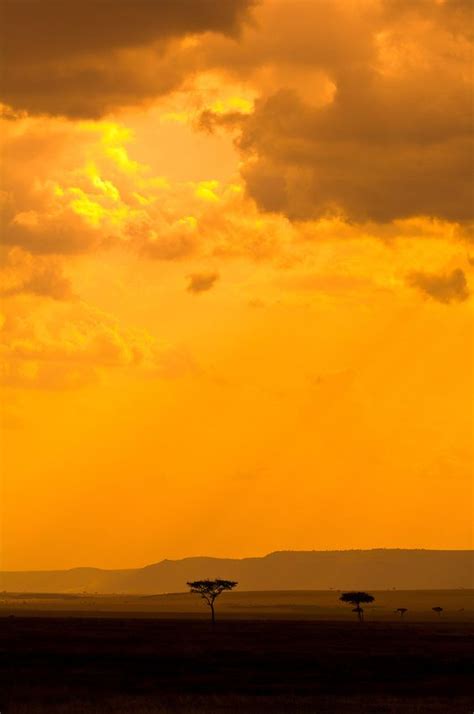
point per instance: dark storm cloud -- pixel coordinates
(445, 288)
(346, 159)
(391, 134)
(84, 57)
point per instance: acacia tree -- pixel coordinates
(209, 590)
(438, 610)
(356, 598)
(401, 611)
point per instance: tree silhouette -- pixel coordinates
(438, 610)
(209, 590)
(356, 598)
(401, 611)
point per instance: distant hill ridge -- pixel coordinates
(377, 569)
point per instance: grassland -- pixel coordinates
(304, 604)
(106, 663)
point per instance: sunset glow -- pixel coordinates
(236, 279)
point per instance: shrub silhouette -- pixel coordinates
(356, 598)
(401, 611)
(438, 610)
(209, 590)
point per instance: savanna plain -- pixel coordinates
(268, 652)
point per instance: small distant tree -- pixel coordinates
(438, 610)
(357, 598)
(209, 590)
(401, 611)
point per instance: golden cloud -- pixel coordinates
(444, 287)
(92, 194)
(67, 345)
(23, 273)
(202, 282)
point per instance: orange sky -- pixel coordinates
(236, 263)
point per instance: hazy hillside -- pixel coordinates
(298, 570)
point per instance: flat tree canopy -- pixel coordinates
(401, 610)
(356, 598)
(210, 589)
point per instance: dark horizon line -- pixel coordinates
(250, 557)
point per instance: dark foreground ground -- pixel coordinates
(77, 665)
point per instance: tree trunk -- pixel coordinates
(360, 613)
(213, 616)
